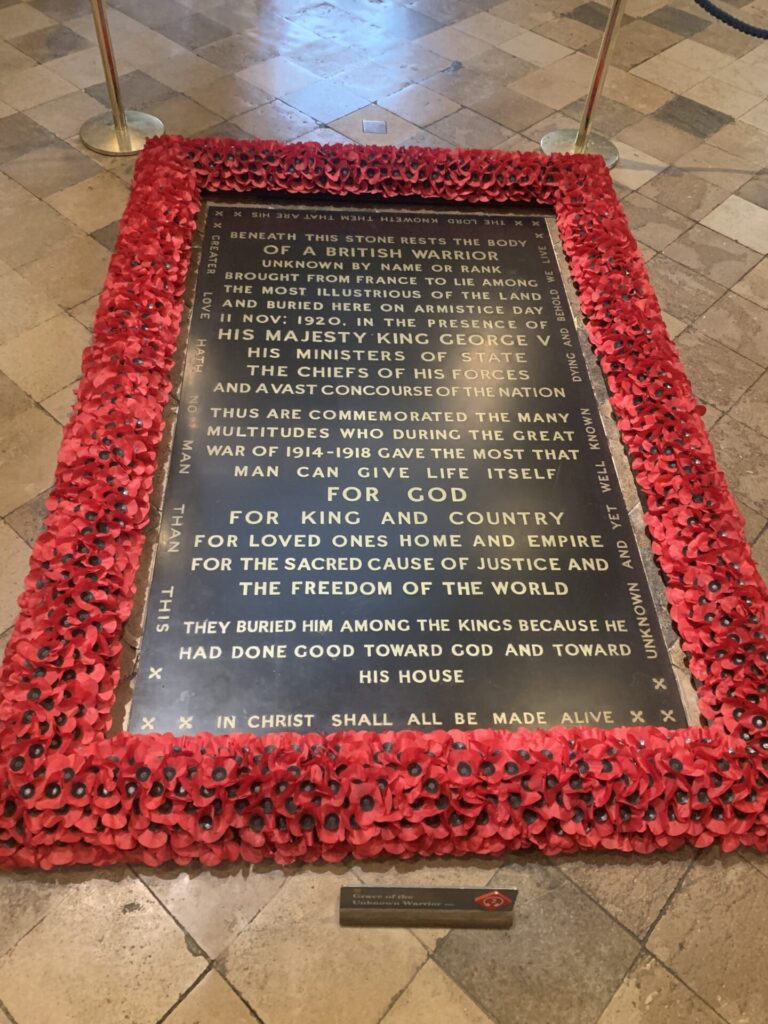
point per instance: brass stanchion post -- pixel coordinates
(566, 140)
(117, 132)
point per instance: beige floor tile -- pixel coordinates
(21, 306)
(535, 49)
(182, 116)
(45, 359)
(745, 141)
(726, 98)
(744, 75)
(754, 285)
(635, 168)
(325, 136)
(413, 59)
(85, 312)
(419, 105)
(487, 27)
(212, 1001)
(738, 324)
(27, 520)
(723, 169)
(65, 115)
(24, 236)
(85, 68)
(229, 96)
(758, 116)
(90, 950)
(742, 455)
(559, 84)
(741, 220)
(278, 76)
(519, 12)
(60, 404)
(29, 444)
(712, 254)
(652, 223)
(373, 79)
(214, 906)
(32, 86)
(440, 872)
(183, 72)
(684, 192)
(450, 42)
(470, 130)
(276, 120)
(632, 888)
(571, 33)
(712, 935)
(693, 54)
(311, 968)
(13, 196)
(70, 274)
(673, 325)
(14, 558)
(651, 995)
(27, 896)
(669, 73)
(719, 375)
(93, 203)
(752, 408)
(683, 292)
(760, 555)
(637, 93)
(351, 125)
(511, 109)
(561, 961)
(51, 168)
(18, 19)
(661, 140)
(430, 989)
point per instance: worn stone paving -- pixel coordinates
(598, 939)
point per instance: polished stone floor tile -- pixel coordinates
(741, 220)
(752, 408)
(635, 92)
(652, 223)
(86, 954)
(470, 130)
(719, 375)
(27, 520)
(71, 281)
(19, 19)
(214, 906)
(562, 960)
(419, 105)
(675, 20)
(51, 168)
(738, 324)
(650, 994)
(635, 167)
(713, 255)
(432, 988)
(32, 86)
(47, 357)
(684, 192)
(633, 889)
(29, 444)
(92, 203)
(691, 116)
(21, 306)
(14, 558)
(325, 101)
(398, 129)
(278, 76)
(754, 285)
(302, 924)
(211, 1001)
(742, 455)
(725, 929)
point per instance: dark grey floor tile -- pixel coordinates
(49, 43)
(107, 236)
(756, 190)
(138, 90)
(593, 14)
(562, 961)
(675, 20)
(19, 134)
(62, 10)
(690, 116)
(194, 30)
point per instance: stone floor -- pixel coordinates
(677, 939)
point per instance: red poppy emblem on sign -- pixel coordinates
(494, 900)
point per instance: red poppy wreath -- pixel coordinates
(71, 794)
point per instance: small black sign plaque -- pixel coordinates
(391, 502)
(421, 907)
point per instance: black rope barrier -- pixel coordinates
(729, 19)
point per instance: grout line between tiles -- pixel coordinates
(185, 993)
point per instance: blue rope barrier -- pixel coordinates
(729, 19)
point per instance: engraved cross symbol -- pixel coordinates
(217, 223)
(184, 722)
(638, 717)
(519, 223)
(147, 724)
(668, 716)
(219, 213)
(238, 213)
(659, 684)
(156, 673)
(539, 234)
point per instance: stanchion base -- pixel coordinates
(562, 140)
(99, 134)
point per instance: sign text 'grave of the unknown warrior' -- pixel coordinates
(391, 502)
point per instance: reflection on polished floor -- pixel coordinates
(598, 939)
